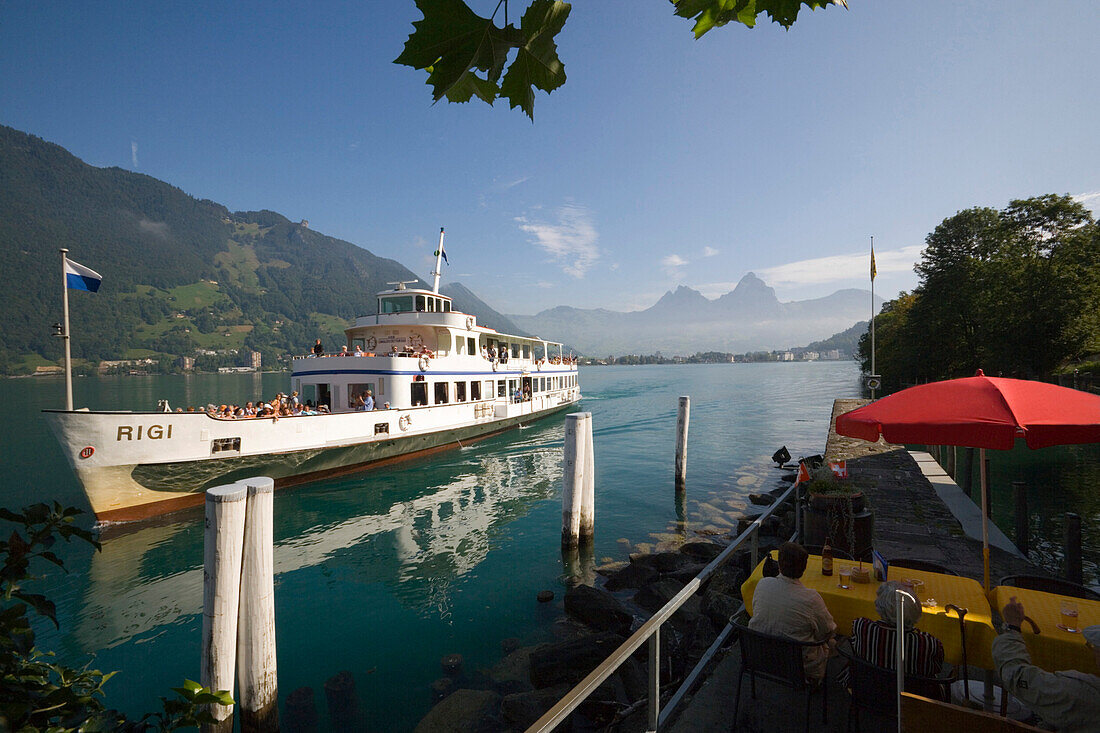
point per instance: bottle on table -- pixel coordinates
(826, 559)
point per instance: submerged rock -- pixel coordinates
(522, 709)
(702, 551)
(631, 576)
(598, 609)
(569, 662)
(462, 710)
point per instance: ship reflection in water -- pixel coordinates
(375, 528)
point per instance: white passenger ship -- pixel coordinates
(428, 362)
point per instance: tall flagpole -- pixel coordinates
(65, 334)
(873, 311)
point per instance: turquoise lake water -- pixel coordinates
(385, 572)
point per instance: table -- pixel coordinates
(1053, 649)
(848, 605)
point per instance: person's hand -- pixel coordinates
(1013, 612)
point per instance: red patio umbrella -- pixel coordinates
(979, 412)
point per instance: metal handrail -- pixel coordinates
(650, 631)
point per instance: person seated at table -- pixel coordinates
(782, 606)
(1068, 700)
(875, 640)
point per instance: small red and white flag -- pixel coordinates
(803, 472)
(840, 468)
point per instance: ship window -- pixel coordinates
(460, 391)
(471, 346)
(460, 345)
(381, 428)
(225, 445)
(420, 303)
(397, 305)
(441, 393)
(354, 390)
(308, 393)
(381, 385)
(515, 351)
(431, 305)
(419, 393)
(475, 390)
(527, 351)
(502, 390)
(446, 306)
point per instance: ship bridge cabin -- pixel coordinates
(417, 351)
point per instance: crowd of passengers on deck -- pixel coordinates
(489, 353)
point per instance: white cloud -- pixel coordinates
(1090, 199)
(841, 267)
(133, 152)
(673, 261)
(571, 241)
(516, 182)
(544, 284)
(709, 251)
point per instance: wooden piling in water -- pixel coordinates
(951, 457)
(573, 466)
(1019, 496)
(588, 497)
(682, 418)
(223, 546)
(256, 675)
(1074, 571)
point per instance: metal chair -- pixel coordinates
(1051, 585)
(912, 563)
(875, 689)
(778, 659)
(838, 554)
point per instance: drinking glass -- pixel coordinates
(845, 579)
(1069, 617)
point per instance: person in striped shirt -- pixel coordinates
(874, 640)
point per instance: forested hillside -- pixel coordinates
(179, 274)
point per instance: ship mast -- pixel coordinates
(438, 262)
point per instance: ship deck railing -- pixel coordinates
(650, 632)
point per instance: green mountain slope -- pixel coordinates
(179, 274)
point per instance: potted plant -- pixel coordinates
(827, 493)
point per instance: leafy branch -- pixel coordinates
(37, 694)
(465, 54)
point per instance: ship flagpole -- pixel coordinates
(438, 262)
(65, 333)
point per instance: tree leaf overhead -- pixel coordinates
(710, 14)
(451, 41)
(465, 53)
(537, 64)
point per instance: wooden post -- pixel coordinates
(682, 416)
(1019, 495)
(951, 451)
(223, 546)
(257, 680)
(572, 490)
(588, 497)
(968, 478)
(988, 508)
(1074, 573)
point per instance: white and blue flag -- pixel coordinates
(79, 277)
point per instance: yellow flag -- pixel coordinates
(873, 270)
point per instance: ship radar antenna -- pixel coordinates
(400, 284)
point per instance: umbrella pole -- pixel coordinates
(985, 519)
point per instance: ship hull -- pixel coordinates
(138, 465)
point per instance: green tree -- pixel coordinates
(893, 343)
(465, 54)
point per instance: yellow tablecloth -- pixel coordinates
(1053, 649)
(848, 605)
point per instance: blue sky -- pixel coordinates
(662, 161)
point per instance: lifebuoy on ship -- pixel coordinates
(371, 343)
(423, 363)
(469, 323)
(404, 421)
